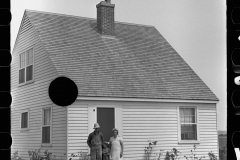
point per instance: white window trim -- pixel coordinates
(179, 126)
(47, 144)
(24, 129)
(31, 81)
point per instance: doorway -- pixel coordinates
(106, 120)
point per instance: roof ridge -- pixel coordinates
(61, 14)
(135, 24)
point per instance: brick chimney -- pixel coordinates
(105, 18)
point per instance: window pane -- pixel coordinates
(29, 57)
(181, 119)
(181, 111)
(187, 115)
(46, 134)
(189, 111)
(23, 60)
(189, 119)
(20, 61)
(46, 116)
(188, 131)
(24, 121)
(29, 74)
(192, 119)
(22, 75)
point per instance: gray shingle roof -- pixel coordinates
(138, 62)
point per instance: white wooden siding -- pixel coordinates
(118, 120)
(143, 123)
(59, 131)
(77, 128)
(159, 122)
(208, 129)
(34, 96)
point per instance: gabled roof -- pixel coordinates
(138, 62)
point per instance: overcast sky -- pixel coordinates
(196, 29)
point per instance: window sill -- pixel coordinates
(24, 129)
(23, 84)
(46, 145)
(189, 142)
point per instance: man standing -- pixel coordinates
(95, 141)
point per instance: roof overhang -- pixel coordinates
(144, 100)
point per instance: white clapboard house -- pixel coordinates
(128, 76)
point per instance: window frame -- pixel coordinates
(24, 129)
(179, 125)
(42, 122)
(25, 68)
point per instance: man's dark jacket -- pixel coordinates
(90, 137)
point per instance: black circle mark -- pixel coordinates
(6, 140)
(235, 15)
(236, 56)
(5, 57)
(236, 139)
(7, 99)
(63, 91)
(236, 98)
(236, 68)
(5, 16)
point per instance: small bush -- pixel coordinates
(172, 155)
(82, 155)
(15, 156)
(148, 150)
(212, 156)
(35, 155)
(167, 157)
(193, 155)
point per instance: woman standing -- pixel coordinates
(116, 146)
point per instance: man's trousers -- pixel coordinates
(96, 153)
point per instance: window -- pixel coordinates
(188, 124)
(26, 66)
(46, 125)
(24, 120)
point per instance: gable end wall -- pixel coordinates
(34, 96)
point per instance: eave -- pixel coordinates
(145, 100)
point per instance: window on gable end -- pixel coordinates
(26, 66)
(46, 126)
(24, 120)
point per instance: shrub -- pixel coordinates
(193, 155)
(35, 155)
(15, 156)
(159, 154)
(82, 155)
(212, 156)
(172, 155)
(167, 157)
(148, 149)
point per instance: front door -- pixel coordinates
(105, 118)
